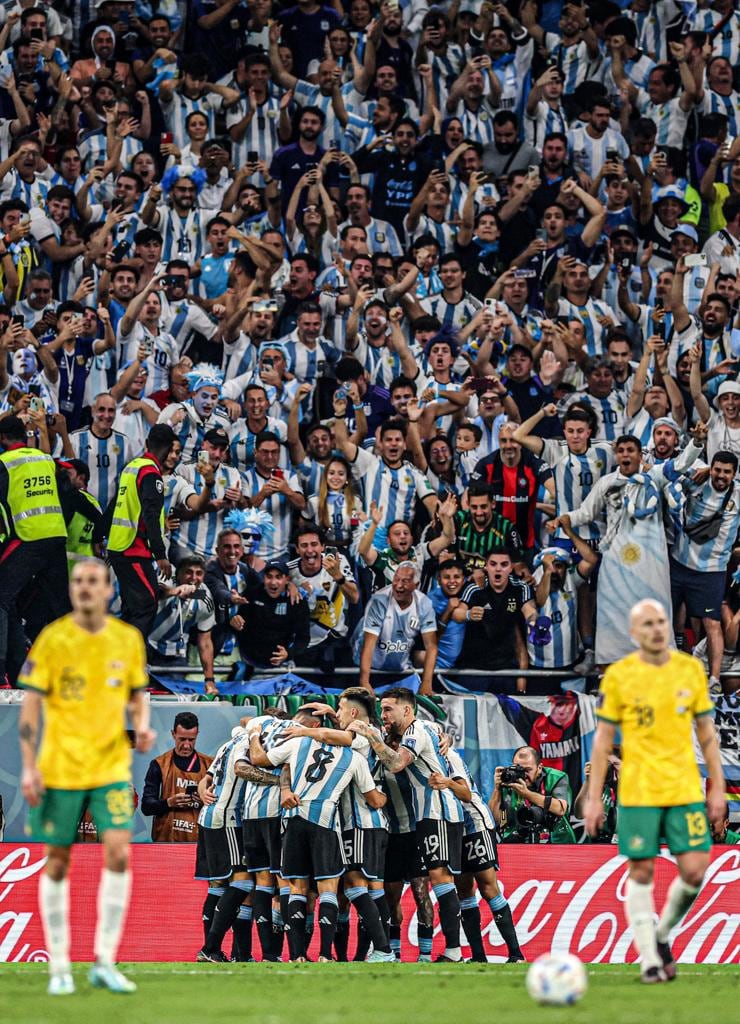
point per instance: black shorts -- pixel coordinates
(364, 850)
(310, 851)
(262, 844)
(440, 844)
(402, 862)
(219, 853)
(479, 852)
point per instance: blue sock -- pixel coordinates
(497, 902)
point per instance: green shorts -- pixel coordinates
(640, 830)
(56, 818)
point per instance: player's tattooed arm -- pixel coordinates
(394, 760)
(257, 775)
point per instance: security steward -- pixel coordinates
(135, 521)
(81, 509)
(171, 785)
(32, 540)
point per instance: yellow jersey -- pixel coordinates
(87, 680)
(655, 707)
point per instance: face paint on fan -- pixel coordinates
(205, 401)
(251, 542)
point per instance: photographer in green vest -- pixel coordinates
(32, 541)
(531, 802)
(135, 528)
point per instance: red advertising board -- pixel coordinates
(569, 899)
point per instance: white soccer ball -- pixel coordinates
(557, 979)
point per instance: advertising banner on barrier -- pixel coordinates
(569, 899)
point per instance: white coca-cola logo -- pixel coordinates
(17, 867)
(601, 936)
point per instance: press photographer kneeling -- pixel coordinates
(531, 802)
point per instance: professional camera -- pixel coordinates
(530, 822)
(513, 773)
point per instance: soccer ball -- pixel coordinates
(557, 979)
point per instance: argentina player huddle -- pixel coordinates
(297, 813)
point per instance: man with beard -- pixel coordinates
(712, 330)
(706, 535)
(181, 222)
(309, 462)
(393, 50)
(398, 175)
(646, 403)
(507, 153)
(634, 551)
(481, 530)
(514, 477)
(601, 396)
(381, 236)
(300, 288)
(400, 546)
(380, 345)
(496, 616)
(666, 440)
(291, 162)
(474, 97)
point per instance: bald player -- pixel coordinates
(656, 697)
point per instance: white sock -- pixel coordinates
(679, 899)
(54, 906)
(453, 954)
(641, 918)
(113, 894)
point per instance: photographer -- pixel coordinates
(608, 827)
(530, 802)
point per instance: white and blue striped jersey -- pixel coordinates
(714, 103)
(422, 742)
(611, 413)
(177, 111)
(446, 67)
(478, 817)
(241, 442)
(637, 69)
(444, 232)
(381, 236)
(574, 477)
(703, 503)
(487, 191)
(477, 124)
(641, 425)
(159, 363)
(177, 617)
(264, 801)
(239, 357)
(400, 806)
(199, 535)
(574, 62)
(588, 314)
(183, 319)
(589, 154)
(319, 774)
(669, 119)
(261, 134)
(279, 508)
(191, 430)
(395, 490)
(545, 119)
(561, 607)
(354, 810)
(307, 364)
(229, 788)
(726, 43)
(489, 440)
(452, 314)
(381, 363)
(183, 238)
(105, 457)
(396, 628)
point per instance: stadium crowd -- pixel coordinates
(397, 336)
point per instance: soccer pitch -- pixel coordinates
(366, 994)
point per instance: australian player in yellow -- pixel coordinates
(86, 669)
(656, 697)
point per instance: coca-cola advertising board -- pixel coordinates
(569, 899)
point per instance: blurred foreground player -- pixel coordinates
(89, 669)
(654, 696)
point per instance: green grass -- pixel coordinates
(365, 994)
